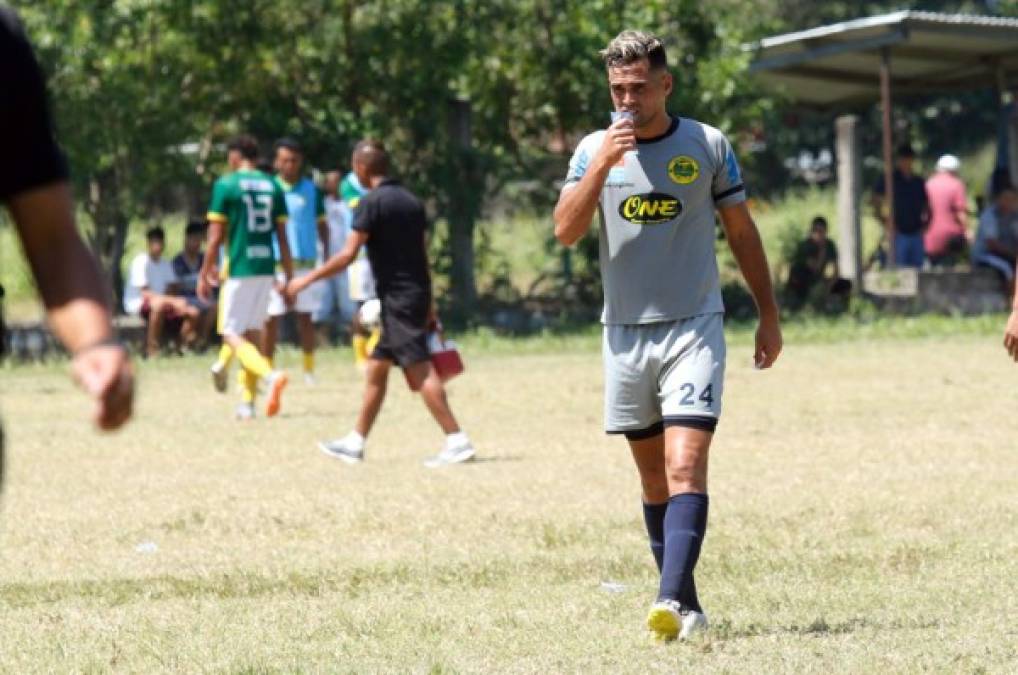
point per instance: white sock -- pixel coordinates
(456, 439)
(354, 440)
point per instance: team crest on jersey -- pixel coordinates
(683, 169)
(650, 208)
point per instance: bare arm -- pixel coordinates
(76, 298)
(576, 205)
(744, 240)
(215, 240)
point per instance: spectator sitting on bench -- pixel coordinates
(815, 264)
(148, 294)
(996, 243)
(186, 266)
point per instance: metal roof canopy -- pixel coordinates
(836, 65)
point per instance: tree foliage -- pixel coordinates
(146, 91)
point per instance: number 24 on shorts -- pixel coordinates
(689, 391)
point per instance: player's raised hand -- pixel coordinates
(618, 140)
(1011, 335)
(105, 373)
(768, 343)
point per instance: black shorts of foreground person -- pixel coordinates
(391, 221)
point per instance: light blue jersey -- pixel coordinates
(305, 206)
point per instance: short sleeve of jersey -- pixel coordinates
(279, 212)
(580, 161)
(726, 185)
(365, 215)
(31, 155)
(217, 207)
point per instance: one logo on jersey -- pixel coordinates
(683, 169)
(650, 208)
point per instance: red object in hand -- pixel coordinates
(445, 358)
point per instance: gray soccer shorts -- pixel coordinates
(663, 374)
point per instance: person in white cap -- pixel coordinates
(946, 238)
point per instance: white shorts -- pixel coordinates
(306, 302)
(361, 280)
(244, 304)
(663, 374)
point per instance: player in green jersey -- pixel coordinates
(247, 208)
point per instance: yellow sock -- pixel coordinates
(360, 349)
(271, 360)
(372, 342)
(225, 355)
(309, 362)
(248, 385)
(252, 360)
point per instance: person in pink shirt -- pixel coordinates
(946, 238)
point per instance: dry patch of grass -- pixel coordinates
(863, 517)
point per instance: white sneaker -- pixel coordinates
(452, 454)
(693, 623)
(219, 373)
(245, 412)
(310, 379)
(668, 620)
(346, 449)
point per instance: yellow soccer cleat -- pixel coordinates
(668, 620)
(665, 619)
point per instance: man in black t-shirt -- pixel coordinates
(392, 223)
(33, 185)
(911, 209)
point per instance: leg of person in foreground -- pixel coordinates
(256, 367)
(673, 473)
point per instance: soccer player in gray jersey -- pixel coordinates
(657, 181)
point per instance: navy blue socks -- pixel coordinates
(685, 524)
(654, 517)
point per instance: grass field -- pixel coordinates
(864, 501)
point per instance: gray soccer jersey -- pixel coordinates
(657, 222)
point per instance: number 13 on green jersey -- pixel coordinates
(249, 203)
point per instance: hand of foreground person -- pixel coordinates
(106, 374)
(1011, 335)
(768, 343)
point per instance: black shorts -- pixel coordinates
(404, 337)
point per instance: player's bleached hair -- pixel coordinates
(631, 46)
